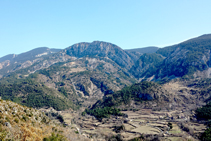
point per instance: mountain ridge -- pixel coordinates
(102, 49)
(127, 59)
(150, 49)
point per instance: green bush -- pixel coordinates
(138, 92)
(7, 119)
(25, 118)
(170, 125)
(16, 120)
(63, 91)
(204, 112)
(206, 136)
(55, 137)
(60, 118)
(105, 112)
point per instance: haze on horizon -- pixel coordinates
(25, 25)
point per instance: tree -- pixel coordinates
(206, 136)
(170, 125)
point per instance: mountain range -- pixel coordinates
(181, 59)
(85, 72)
(102, 79)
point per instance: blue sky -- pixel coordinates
(27, 24)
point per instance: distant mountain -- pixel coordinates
(7, 57)
(103, 49)
(13, 62)
(186, 58)
(29, 55)
(189, 58)
(144, 50)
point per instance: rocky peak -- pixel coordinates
(103, 49)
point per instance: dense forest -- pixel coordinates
(204, 113)
(33, 94)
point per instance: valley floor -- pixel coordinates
(147, 123)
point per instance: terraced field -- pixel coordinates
(143, 122)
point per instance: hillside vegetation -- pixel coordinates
(104, 77)
(147, 65)
(185, 58)
(204, 113)
(137, 94)
(32, 94)
(22, 123)
(65, 85)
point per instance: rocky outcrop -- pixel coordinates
(103, 49)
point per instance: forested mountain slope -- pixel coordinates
(189, 58)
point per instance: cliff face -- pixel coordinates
(103, 49)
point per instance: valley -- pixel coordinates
(98, 91)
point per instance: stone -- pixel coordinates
(7, 124)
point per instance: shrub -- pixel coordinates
(7, 119)
(83, 113)
(204, 112)
(105, 112)
(60, 118)
(206, 136)
(170, 125)
(3, 134)
(16, 120)
(25, 118)
(55, 137)
(118, 129)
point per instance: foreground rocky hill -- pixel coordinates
(22, 123)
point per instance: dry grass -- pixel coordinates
(27, 124)
(176, 139)
(198, 127)
(128, 127)
(175, 129)
(146, 130)
(30, 133)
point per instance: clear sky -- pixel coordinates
(27, 24)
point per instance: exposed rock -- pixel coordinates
(8, 124)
